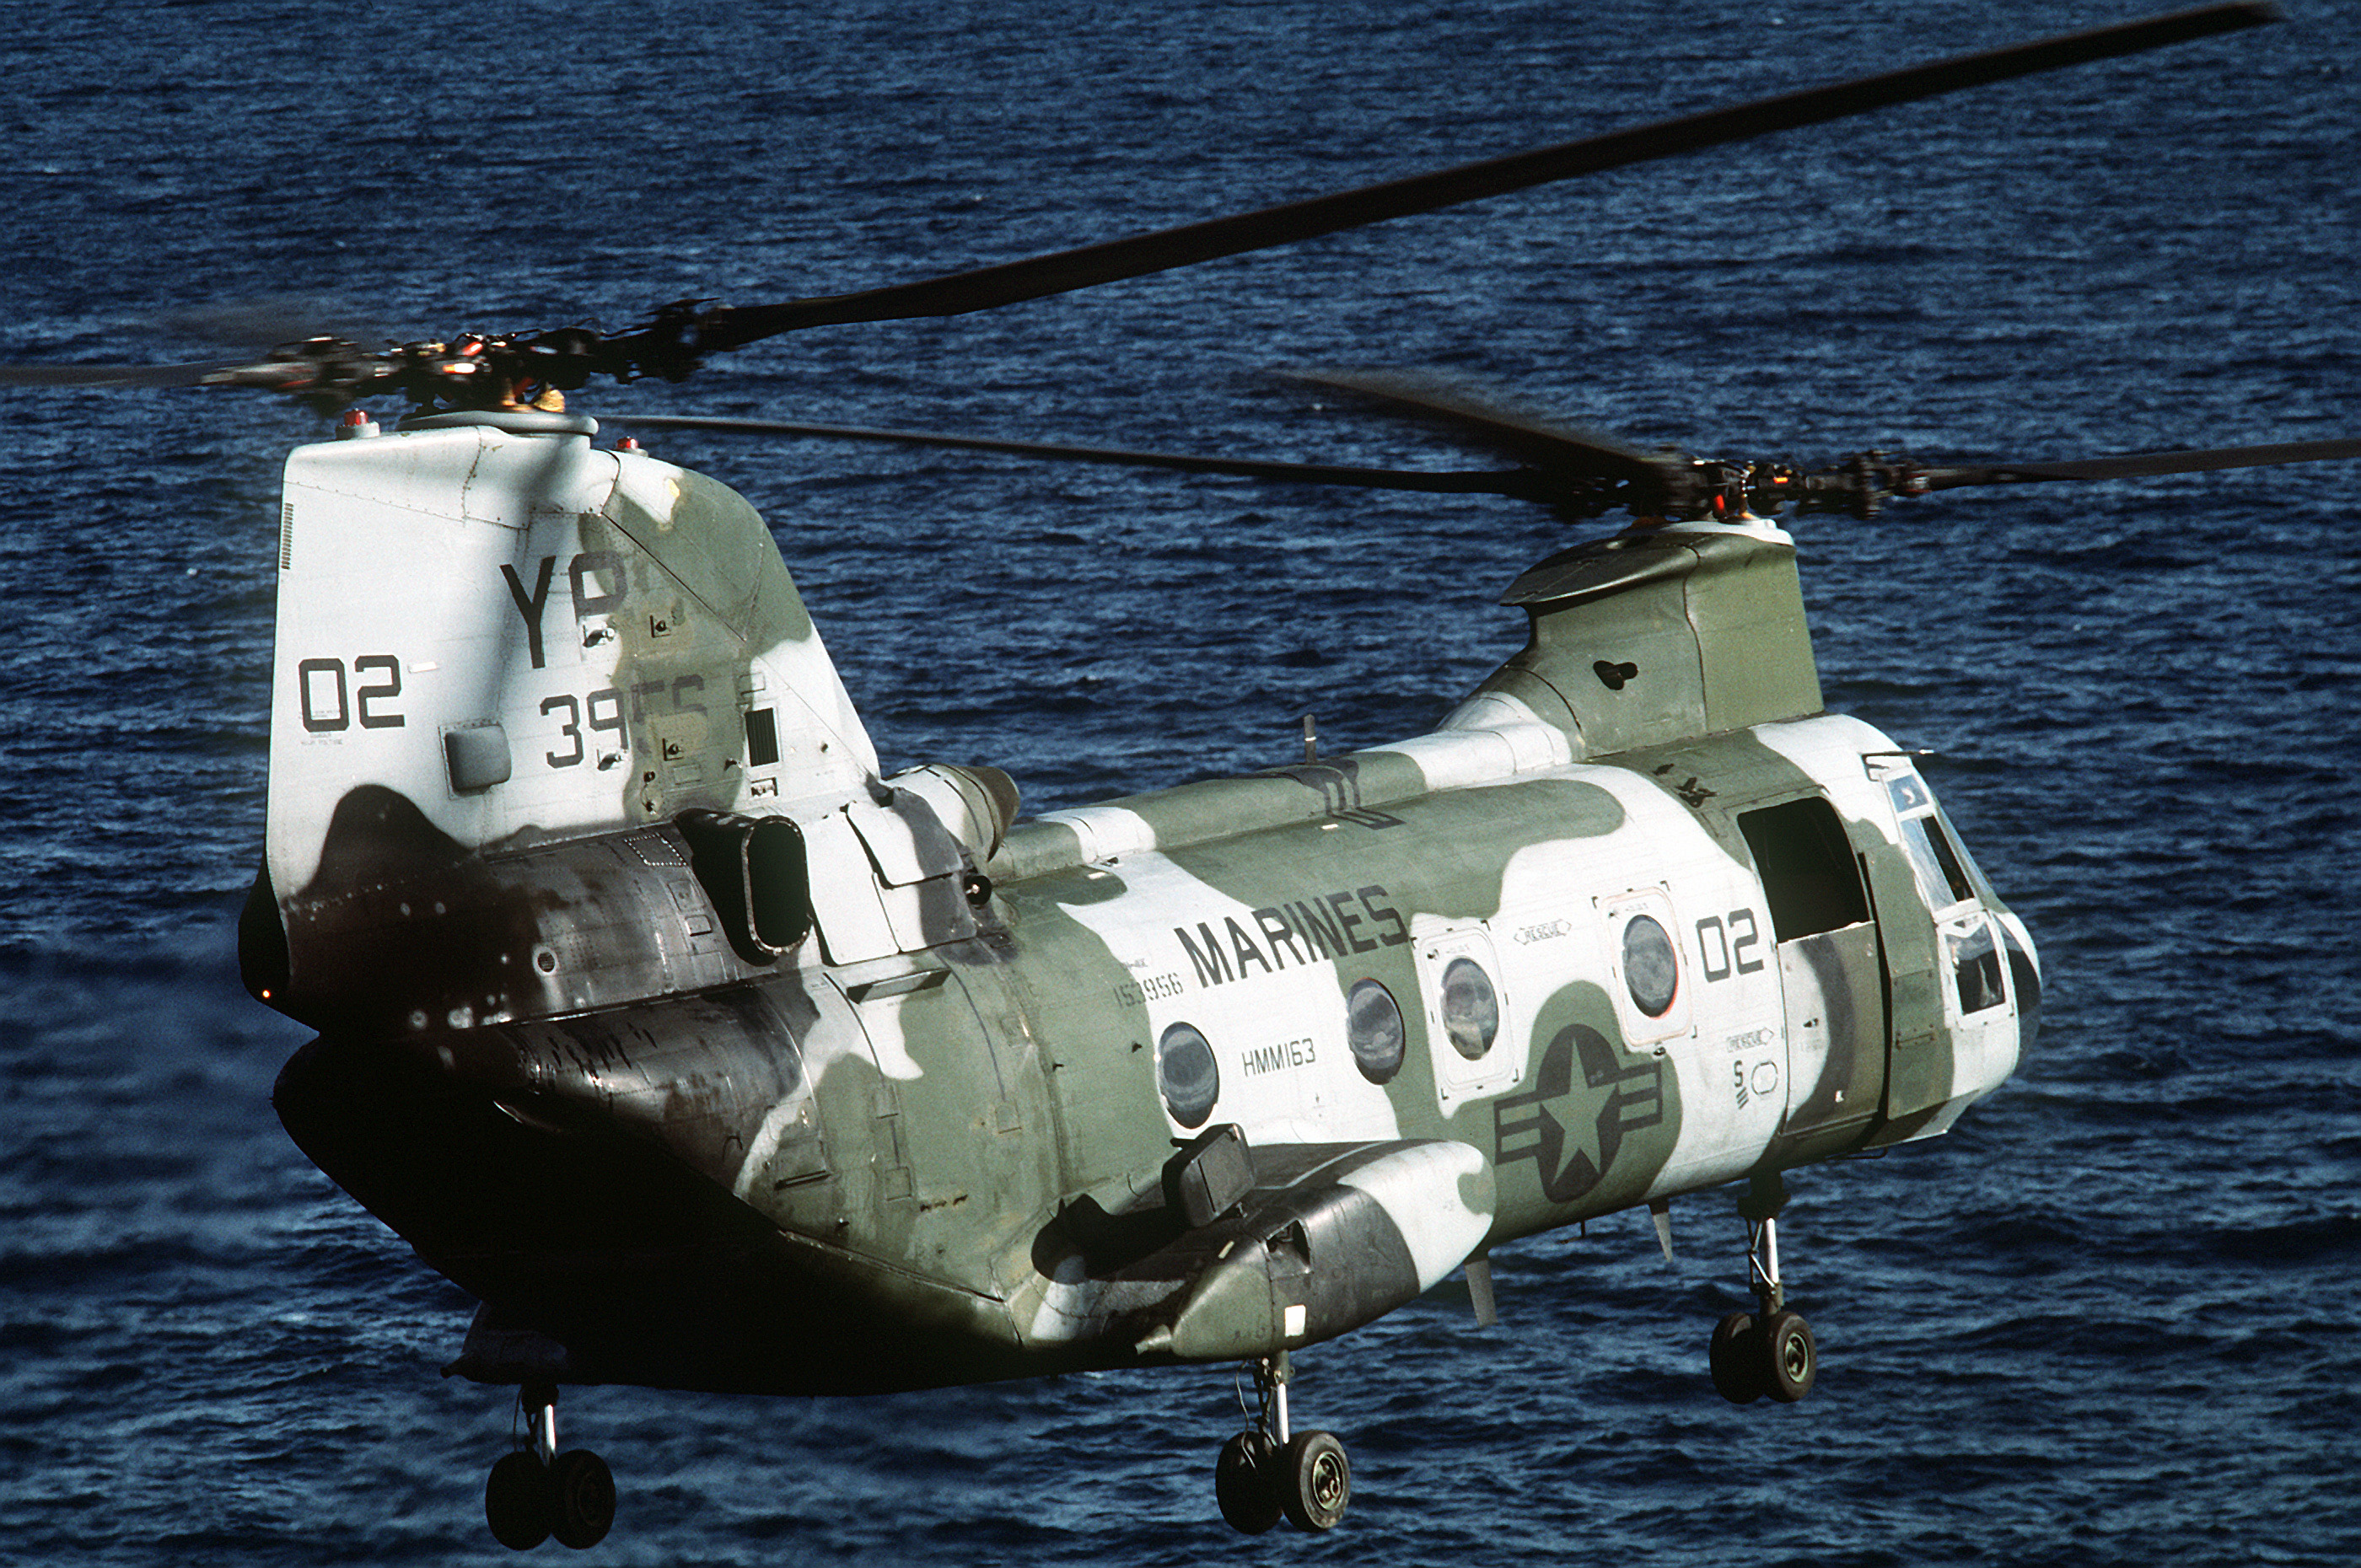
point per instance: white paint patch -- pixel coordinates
(1072, 1306)
(766, 1141)
(837, 1034)
(1107, 832)
(888, 1040)
(1830, 748)
(1425, 1190)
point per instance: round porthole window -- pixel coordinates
(1471, 1008)
(1373, 1027)
(1187, 1074)
(1652, 971)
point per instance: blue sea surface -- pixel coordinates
(2112, 1318)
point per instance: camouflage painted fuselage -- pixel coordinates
(705, 1056)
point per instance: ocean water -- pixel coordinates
(2113, 1319)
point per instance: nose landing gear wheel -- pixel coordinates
(1264, 1474)
(1767, 1353)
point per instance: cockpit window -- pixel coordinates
(1940, 875)
(1976, 967)
(1947, 873)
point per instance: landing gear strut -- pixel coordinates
(535, 1492)
(1768, 1353)
(1265, 1473)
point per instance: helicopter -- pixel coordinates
(1176, 890)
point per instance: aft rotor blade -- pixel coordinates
(1064, 271)
(2141, 464)
(1519, 483)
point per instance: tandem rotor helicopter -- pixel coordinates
(706, 1056)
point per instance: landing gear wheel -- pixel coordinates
(581, 1498)
(1245, 1482)
(1787, 1359)
(516, 1501)
(1314, 1481)
(1736, 1359)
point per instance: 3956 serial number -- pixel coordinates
(1148, 988)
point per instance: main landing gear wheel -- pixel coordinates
(1265, 1474)
(1245, 1482)
(1789, 1361)
(1315, 1482)
(581, 1498)
(516, 1500)
(1737, 1376)
(1772, 1359)
(1768, 1353)
(535, 1492)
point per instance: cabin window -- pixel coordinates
(1373, 1027)
(1652, 971)
(1471, 1008)
(1187, 1075)
(1807, 865)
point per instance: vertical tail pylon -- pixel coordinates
(493, 634)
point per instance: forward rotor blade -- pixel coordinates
(2141, 464)
(1557, 447)
(1064, 271)
(1519, 483)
